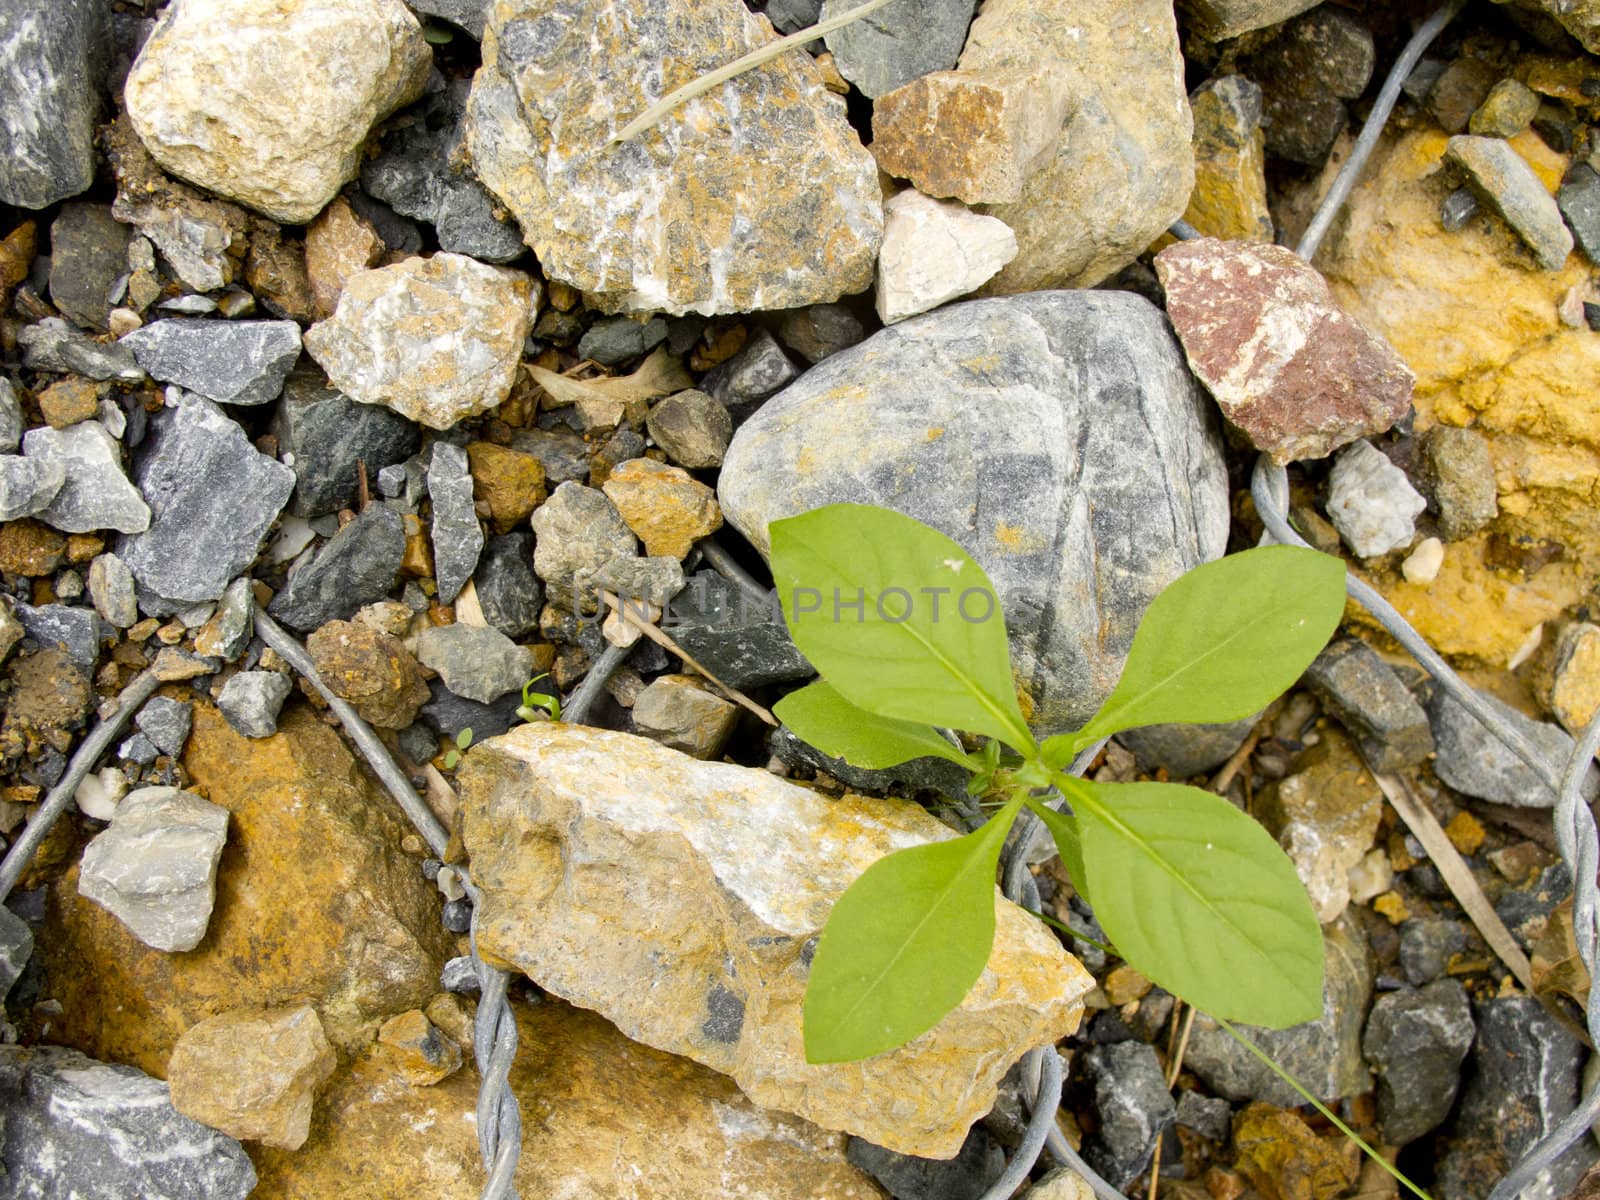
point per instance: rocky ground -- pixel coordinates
(353, 313)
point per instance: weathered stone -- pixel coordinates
(155, 867)
(1580, 18)
(12, 423)
(1185, 751)
(456, 535)
(818, 330)
(1285, 1159)
(231, 362)
(212, 495)
(1473, 761)
(1574, 694)
(1427, 946)
(758, 370)
(68, 401)
(30, 549)
(1134, 1105)
(448, 714)
(901, 42)
(1220, 19)
(1415, 1041)
(1503, 179)
(52, 68)
(1506, 111)
(667, 509)
(475, 662)
(223, 94)
(680, 712)
(422, 1052)
(1287, 365)
(276, 273)
(736, 972)
(436, 339)
(371, 670)
(1324, 1055)
(1461, 477)
(16, 944)
(328, 435)
(1230, 185)
(299, 804)
(934, 251)
(594, 1087)
(616, 340)
(1316, 63)
(1358, 688)
(88, 253)
(1371, 502)
(972, 1172)
(466, 14)
(692, 428)
(95, 493)
(99, 1131)
(231, 627)
(577, 528)
(510, 482)
(112, 589)
(356, 567)
(28, 485)
(939, 417)
(509, 593)
(251, 701)
(76, 630)
(338, 245)
(166, 722)
(1209, 1116)
(756, 195)
(50, 696)
(1458, 91)
(742, 641)
(1325, 817)
(1579, 201)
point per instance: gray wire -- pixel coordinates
(1184, 231)
(725, 565)
(576, 710)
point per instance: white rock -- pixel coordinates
(28, 485)
(1371, 502)
(1422, 564)
(99, 792)
(96, 494)
(155, 868)
(936, 250)
(112, 589)
(436, 339)
(268, 102)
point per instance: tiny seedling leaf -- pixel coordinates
(1221, 642)
(464, 738)
(898, 618)
(819, 715)
(903, 945)
(1198, 897)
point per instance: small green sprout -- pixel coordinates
(537, 706)
(453, 756)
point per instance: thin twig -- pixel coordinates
(1224, 777)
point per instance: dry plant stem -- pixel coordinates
(1224, 777)
(763, 54)
(1174, 1069)
(666, 643)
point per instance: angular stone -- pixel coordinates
(371, 670)
(1579, 201)
(475, 662)
(251, 701)
(1185, 751)
(16, 944)
(1575, 677)
(213, 497)
(1292, 370)
(1358, 688)
(95, 494)
(338, 245)
(328, 434)
(28, 485)
(680, 712)
(1580, 18)
(741, 641)
(1416, 1041)
(1427, 946)
(1282, 1157)
(12, 423)
(231, 627)
(1461, 477)
(1209, 1116)
(252, 1073)
(424, 1054)
(223, 93)
(509, 481)
(934, 251)
(1134, 1105)
(1324, 1055)
(456, 535)
(667, 509)
(509, 593)
(68, 401)
(1220, 19)
(728, 994)
(88, 254)
(1475, 762)
(1506, 111)
(155, 867)
(436, 339)
(448, 714)
(970, 1173)
(166, 722)
(759, 369)
(99, 1131)
(50, 695)
(756, 195)
(1230, 185)
(1316, 63)
(1503, 179)
(1371, 502)
(902, 41)
(76, 630)
(231, 362)
(919, 775)
(692, 428)
(52, 68)
(940, 418)
(298, 798)
(356, 567)
(577, 528)
(819, 330)
(617, 340)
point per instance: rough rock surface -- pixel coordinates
(756, 195)
(1367, 697)
(1415, 1040)
(1371, 502)
(741, 870)
(356, 567)
(88, 253)
(436, 339)
(1057, 436)
(371, 670)
(1230, 186)
(666, 508)
(1099, 139)
(95, 493)
(51, 61)
(1219, 19)
(577, 529)
(899, 42)
(231, 362)
(252, 1073)
(1505, 181)
(90, 1130)
(251, 701)
(155, 868)
(28, 485)
(456, 536)
(474, 661)
(933, 251)
(234, 95)
(1476, 763)
(328, 434)
(1290, 368)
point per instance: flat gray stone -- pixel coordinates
(327, 434)
(231, 362)
(741, 640)
(213, 496)
(457, 536)
(356, 567)
(898, 43)
(1134, 1105)
(78, 631)
(53, 60)
(1358, 688)
(155, 867)
(88, 254)
(11, 421)
(96, 494)
(251, 701)
(1058, 436)
(509, 593)
(1503, 179)
(28, 485)
(1415, 1041)
(166, 722)
(54, 345)
(1579, 201)
(1475, 762)
(476, 663)
(86, 1130)
(1185, 750)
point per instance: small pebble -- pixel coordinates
(1422, 564)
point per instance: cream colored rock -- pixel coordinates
(1218, 19)
(268, 102)
(1575, 682)
(933, 251)
(253, 1073)
(680, 899)
(436, 339)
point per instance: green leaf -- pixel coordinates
(1222, 641)
(903, 945)
(1063, 829)
(1198, 897)
(898, 618)
(825, 719)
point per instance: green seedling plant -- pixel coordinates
(453, 755)
(1192, 892)
(536, 705)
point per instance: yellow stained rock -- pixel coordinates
(1285, 1160)
(510, 482)
(316, 903)
(1466, 832)
(1230, 185)
(338, 245)
(665, 507)
(421, 1052)
(603, 1118)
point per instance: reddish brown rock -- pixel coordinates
(1298, 375)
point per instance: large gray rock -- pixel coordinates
(231, 362)
(96, 494)
(77, 1129)
(356, 567)
(155, 868)
(52, 66)
(1058, 436)
(328, 435)
(457, 536)
(1415, 1041)
(1473, 761)
(577, 530)
(213, 495)
(474, 661)
(901, 41)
